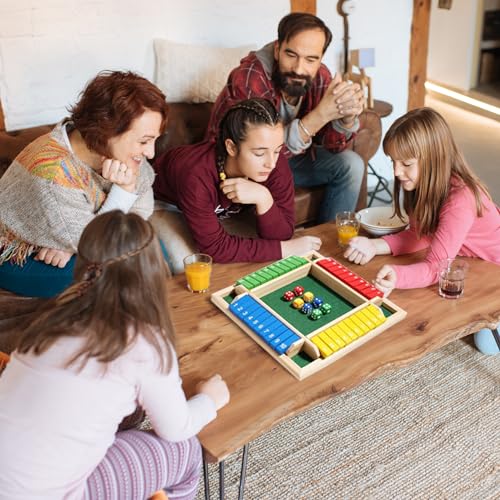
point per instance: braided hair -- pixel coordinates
(93, 270)
(119, 294)
(234, 125)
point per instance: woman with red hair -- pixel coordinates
(92, 162)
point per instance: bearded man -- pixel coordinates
(320, 112)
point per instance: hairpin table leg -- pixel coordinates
(243, 475)
(496, 336)
(206, 480)
(222, 467)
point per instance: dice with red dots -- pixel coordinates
(289, 296)
(298, 291)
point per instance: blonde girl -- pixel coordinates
(451, 212)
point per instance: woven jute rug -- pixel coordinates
(427, 431)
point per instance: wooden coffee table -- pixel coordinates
(264, 394)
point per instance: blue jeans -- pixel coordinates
(340, 173)
(36, 279)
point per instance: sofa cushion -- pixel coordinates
(307, 202)
(194, 73)
(186, 124)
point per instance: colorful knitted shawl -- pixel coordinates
(48, 196)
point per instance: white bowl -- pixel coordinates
(378, 221)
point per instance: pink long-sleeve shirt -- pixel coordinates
(56, 424)
(460, 232)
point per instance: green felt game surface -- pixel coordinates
(302, 322)
(387, 312)
(302, 359)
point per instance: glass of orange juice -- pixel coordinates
(347, 227)
(198, 267)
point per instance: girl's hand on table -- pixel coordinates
(385, 280)
(360, 250)
(300, 246)
(216, 389)
(120, 174)
(53, 257)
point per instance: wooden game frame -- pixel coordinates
(305, 344)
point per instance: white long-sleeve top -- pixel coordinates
(56, 423)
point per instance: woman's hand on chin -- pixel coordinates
(120, 174)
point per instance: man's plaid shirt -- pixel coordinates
(250, 79)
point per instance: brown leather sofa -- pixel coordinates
(187, 124)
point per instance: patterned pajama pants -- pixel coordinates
(140, 463)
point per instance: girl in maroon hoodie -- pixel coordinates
(211, 181)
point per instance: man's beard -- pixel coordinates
(291, 88)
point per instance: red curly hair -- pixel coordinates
(110, 103)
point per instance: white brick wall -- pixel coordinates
(49, 49)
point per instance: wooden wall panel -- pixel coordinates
(2, 120)
(308, 6)
(419, 45)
